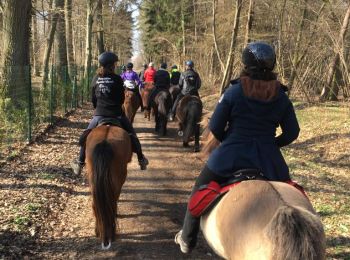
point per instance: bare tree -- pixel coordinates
(327, 89)
(229, 62)
(69, 36)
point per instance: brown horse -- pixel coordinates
(161, 107)
(263, 220)
(132, 102)
(108, 152)
(189, 114)
(145, 92)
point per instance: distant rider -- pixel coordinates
(174, 75)
(161, 82)
(131, 80)
(189, 82)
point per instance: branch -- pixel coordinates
(215, 38)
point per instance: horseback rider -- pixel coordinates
(174, 75)
(132, 81)
(107, 99)
(190, 83)
(142, 73)
(245, 122)
(161, 82)
(149, 74)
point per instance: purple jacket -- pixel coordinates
(131, 75)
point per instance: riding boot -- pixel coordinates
(136, 147)
(78, 165)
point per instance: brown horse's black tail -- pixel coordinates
(296, 234)
(103, 192)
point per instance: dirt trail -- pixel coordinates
(151, 208)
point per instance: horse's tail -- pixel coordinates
(296, 234)
(193, 118)
(103, 193)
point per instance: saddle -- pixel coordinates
(207, 196)
(104, 121)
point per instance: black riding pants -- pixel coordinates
(191, 224)
(126, 125)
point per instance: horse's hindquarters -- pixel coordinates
(238, 226)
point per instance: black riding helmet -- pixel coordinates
(164, 65)
(129, 65)
(107, 58)
(259, 56)
(145, 66)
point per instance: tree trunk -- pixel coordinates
(229, 63)
(183, 30)
(327, 89)
(222, 66)
(69, 37)
(61, 44)
(36, 49)
(48, 48)
(295, 59)
(88, 40)
(99, 19)
(16, 41)
(249, 24)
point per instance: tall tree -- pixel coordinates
(16, 37)
(229, 62)
(61, 43)
(69, 36)
(49, 43)
(100, 32)
(35, 45)
(327, 89)
(88, 40)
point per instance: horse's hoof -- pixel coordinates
(185, 145)
(180, 133)
(196, 149)
(106, 247)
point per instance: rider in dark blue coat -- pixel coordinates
(245, 122)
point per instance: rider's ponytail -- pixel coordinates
(103, 71)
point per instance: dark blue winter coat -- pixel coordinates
(249, 140)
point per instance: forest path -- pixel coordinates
(151, 207)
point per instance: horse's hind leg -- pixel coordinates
(196, 138)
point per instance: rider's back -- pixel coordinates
(253, 111)
(162, 78)
(149, 74)
(108, 95)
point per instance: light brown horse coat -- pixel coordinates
(108, 152)
(132, 102)
(264, 220)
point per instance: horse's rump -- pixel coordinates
(131, 103)
(108, 151)
(146, 91)
(162, 102)
(262, 220)
(181, 111)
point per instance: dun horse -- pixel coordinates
(131, 103)
(108, 151)
(189, 114)
(161, 107)
(264, 220)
